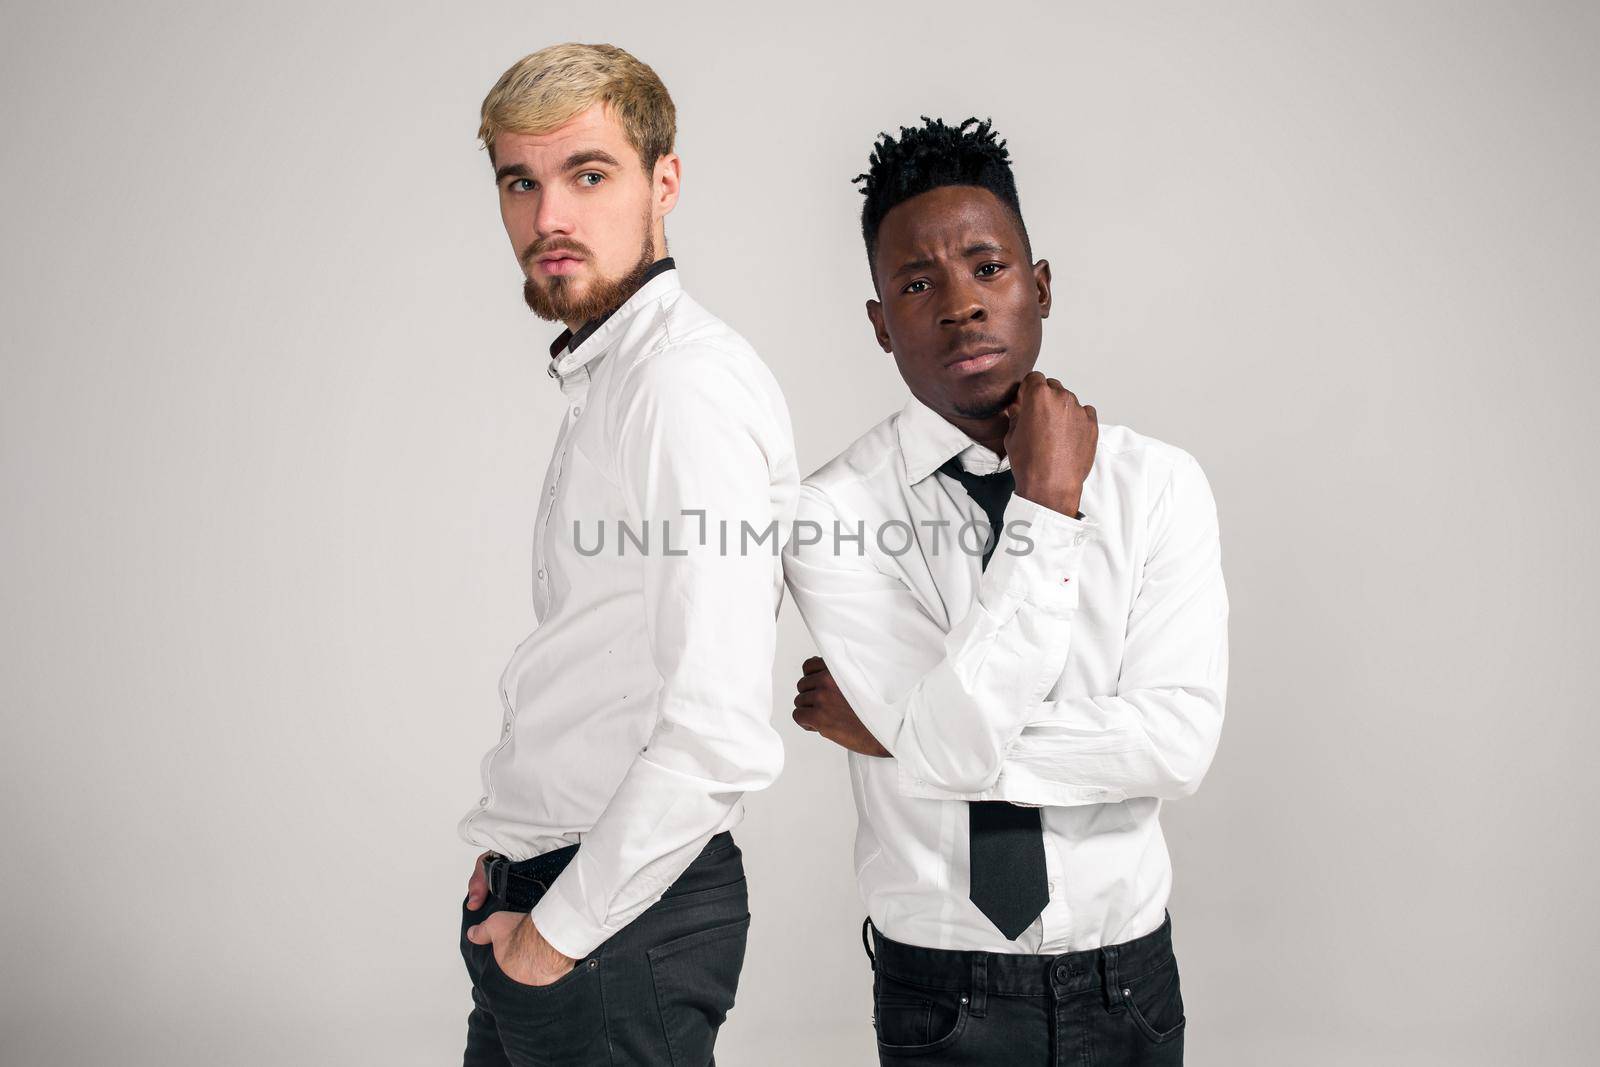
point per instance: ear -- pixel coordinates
(664, 185)
(875, 314)
(1041, 281)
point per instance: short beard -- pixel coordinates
(988, 409)
(555, 302)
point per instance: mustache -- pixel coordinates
(554, 244)
(968, 341)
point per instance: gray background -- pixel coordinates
(273, 417)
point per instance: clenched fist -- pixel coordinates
(819, 706)
(1051, 443)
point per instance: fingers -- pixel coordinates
(1035, 382)
(477, 885)
(494, 927)
(805, 719)
(811, 682)
(813, 665)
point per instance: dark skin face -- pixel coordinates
(959, 306)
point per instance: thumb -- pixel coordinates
(478, 935)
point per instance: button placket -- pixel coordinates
(576, 386)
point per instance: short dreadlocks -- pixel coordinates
(931, 156)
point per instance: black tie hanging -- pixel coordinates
(1005, 841)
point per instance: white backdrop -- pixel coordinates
(273, 415)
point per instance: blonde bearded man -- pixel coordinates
(606, 923)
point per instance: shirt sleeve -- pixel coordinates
(1157, 734)
(699, 437)
(947, 705)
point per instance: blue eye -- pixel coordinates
(598, 178)
(520, 185)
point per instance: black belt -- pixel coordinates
(520, 883)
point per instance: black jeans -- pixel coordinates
(1109, 1007)
(653, 993)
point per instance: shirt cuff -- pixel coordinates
(1036, 560)
(568, 927)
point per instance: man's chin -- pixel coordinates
(985, 403)
(559, 299)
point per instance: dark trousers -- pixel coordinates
(653, 993)
(1107, 1007)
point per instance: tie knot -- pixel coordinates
(998, 482)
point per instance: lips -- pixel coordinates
(975, 361)
(559, 263)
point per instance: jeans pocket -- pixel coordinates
(913, 1020)
(1155, 1003)
(580, 970)
(563, 1022)
(696, 977)
(902, 1020)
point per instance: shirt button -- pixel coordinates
(541, 574)
(577, 409)
(483, 802)
(1050, 887)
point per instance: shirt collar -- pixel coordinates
(927, 440)
(571, 351)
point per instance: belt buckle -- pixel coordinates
(494, 873)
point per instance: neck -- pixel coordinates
(990, 432)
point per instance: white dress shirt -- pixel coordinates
(638, 711)
(1086, 675)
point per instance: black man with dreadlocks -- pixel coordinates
(1023, 628)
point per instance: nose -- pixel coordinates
(962, 308)
(552, 218)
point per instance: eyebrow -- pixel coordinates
(976, 248)
(589, 155)
(577, 159)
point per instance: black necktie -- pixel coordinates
(1005, 842)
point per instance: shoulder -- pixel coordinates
(685, 355)
(1159, 482)
(869, 468)
(1132, 457)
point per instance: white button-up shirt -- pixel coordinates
(1083, 671)
(639, 710)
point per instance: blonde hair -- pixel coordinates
(544, 90)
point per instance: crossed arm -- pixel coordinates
(966, 712)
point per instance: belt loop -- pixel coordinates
(865, 923)
(980, 984)
(1115, 1001)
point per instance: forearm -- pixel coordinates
(655, 825)
(958, 721)
(1155, 742)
